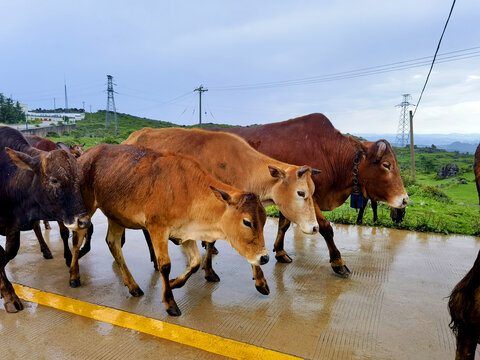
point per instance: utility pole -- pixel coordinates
(111, 111)
(83, 103)
(412, 146)
(54, 105)
(90, 108)
(200, 89)
(66, 98)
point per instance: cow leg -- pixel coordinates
(466, 344)
(280, 254)
(260, 281)
(47, 254)
(326, 230)
(153, 258)
(47, 225)
(77, 240)
(65, 234)
(114, 238)
(374, 209)
(191, 249)
(10, 300)
(210, 274)
(86, 246)
(159, 238)
(360, 214)
(12, 244)
(205, 244)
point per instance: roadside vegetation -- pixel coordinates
(447, 206)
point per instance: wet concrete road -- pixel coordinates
(393, 306)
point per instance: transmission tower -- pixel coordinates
(111, 112)
(403, 128)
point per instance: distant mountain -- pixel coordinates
(464, 143)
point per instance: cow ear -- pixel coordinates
(21, 160)
(380, 151)
(276, 172)
(221, 195)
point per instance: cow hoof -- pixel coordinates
(48, 255)
(264, 290)
(13, 306)
(283, 258)
(68, 262)
(174, 311)
(75, 283)
(342, 271)
(212, 277)
(136, 292)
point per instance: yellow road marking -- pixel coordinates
(194, 338)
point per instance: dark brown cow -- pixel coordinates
(48, 145)
(231, 160)
(313, 140)
(170, 196)
(464, 308)
(476, 168)
(34, 185)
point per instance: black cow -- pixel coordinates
(34, 185)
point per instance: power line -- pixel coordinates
(434, 57)
(372, 70)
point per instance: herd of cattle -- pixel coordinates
(186, 185)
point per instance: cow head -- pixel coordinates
(77, 150)
(242, 223)
(379, 175)
(293, 192)
(55, 185)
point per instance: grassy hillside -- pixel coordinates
(91, 131)
(437, 205)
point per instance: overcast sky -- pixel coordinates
(160, 50)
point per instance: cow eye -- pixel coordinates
(386, 166)
(301, 193)
(53, 181)
(247, 223)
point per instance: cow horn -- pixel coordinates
(302, 171)
(381, 150)
(316, 171)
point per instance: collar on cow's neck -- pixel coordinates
(356, 162)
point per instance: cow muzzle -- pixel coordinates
(400, 202)
(310, 228)
(80, 222)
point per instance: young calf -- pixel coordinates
(34, 185)
(170, 196)
(464, 307)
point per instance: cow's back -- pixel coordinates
(128, 181)
(227, 157)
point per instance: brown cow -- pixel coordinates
(476, 168)
(231, 160)
(464, 308)
(313, 140)
(170, 196)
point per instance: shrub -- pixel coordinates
(110, 140)
(435, 193)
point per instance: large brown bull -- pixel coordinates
(464, 308)
(170, 196)
(476, 168)
(313, 140)
(34, 185)
(231, 160)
